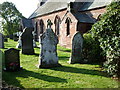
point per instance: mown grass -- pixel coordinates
(67, 76)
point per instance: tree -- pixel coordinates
(107, 31)
(10, 18)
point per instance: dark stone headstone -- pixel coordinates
(1, 41)
(77, 43)
(48, 56)
(0, 58)
(5, 40)
(27, 41)
(0, 68)
(12, 60)
(11, 36)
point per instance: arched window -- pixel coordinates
(41, 23)
(57, 25)
(68, 21)
(98, 18)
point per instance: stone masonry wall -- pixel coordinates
(65, 40)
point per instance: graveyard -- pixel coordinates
(60, 45)
(66, 76)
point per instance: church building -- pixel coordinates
(67, 17)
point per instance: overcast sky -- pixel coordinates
(26, 7)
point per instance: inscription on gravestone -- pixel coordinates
(12, 59)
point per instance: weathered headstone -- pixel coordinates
(12, 60)
(34, 43)
(49, 23)
(77, 43)
(1, 41)
(27, 41)
(39, 41)
(48, 56)
(19, 45)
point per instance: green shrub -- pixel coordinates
(91, 49)
(107, 31)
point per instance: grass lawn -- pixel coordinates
(67, 76)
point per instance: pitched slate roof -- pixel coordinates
(94, 4)
(84, 18)
(52, 6)
(49, 7)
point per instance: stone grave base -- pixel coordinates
(49, 65)
(18, 69)
(75, 60)
(28, 51)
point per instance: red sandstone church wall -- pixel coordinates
(64, 40)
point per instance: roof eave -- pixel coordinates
(92, 9)
(48, 13)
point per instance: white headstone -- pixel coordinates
(34, 43)
(77, 44)
(48, 56)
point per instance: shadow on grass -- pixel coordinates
(64, 50)
(10, 46)
(26, 74)
(36, 54)
(63, 58)
(80, 70)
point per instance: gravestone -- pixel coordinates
(1, 58)
(0, 68)
(39, 41)
(27, 41)
(15, 37)
(5, 39)
(1, 41)
(12, 60)
(49, 23)
(34, 43)
(19, 45)
(48, 56)
(77, 44)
